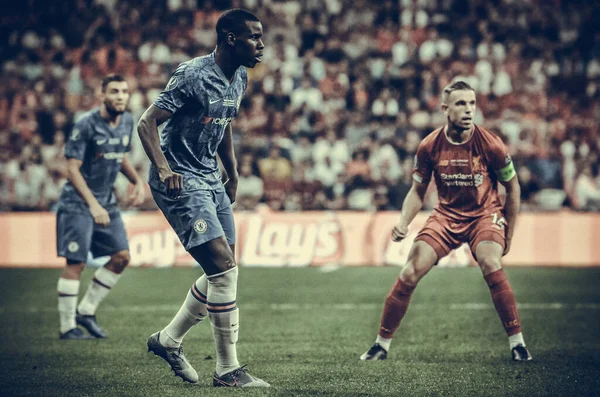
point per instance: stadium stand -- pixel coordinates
(345, 93)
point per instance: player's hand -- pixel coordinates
(100, 215)
(231, 188)
(138, 194)
(399, 232)
(507, 243)
(173, 182)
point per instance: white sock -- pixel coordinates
(68, 291)
(383, 342)
(98, 289)
(516, 339)
(224, 318)
(192, 311)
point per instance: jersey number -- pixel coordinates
(498, 222)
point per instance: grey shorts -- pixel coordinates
(77, 234)
(198, 216)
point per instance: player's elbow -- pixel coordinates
(143, 124)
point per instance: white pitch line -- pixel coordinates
(329, 269)
(321, 307)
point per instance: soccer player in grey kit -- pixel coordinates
(88, 218)
(198, 104)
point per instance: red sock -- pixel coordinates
(396, 304)
(504, 301)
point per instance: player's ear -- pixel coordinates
(445, 108)
(231, 39)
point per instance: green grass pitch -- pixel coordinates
(303, 330)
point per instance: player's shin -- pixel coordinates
(224, 318)
(505, 304)
(102, 283)
(68, 291)
(396, 305)
(192, 311)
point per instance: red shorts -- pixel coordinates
(444, 234)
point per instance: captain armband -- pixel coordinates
(507, 173)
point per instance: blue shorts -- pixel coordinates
(198, 216)
(77, 234)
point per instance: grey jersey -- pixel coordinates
(101, 148)
(203, 103)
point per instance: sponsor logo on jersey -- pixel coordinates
(111, 155)
(443, 163)
(200, 226)
(211, 101)
(458, 179)
(229, 102)
(217, 120)
(73, 246)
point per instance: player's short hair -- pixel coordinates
(109, 79)
(233, 21)
(458, 85)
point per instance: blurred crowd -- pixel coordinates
(334, 114)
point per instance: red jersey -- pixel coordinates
(466, 174)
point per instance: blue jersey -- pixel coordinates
(101, 148)
(203, 103)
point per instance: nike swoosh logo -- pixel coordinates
(210, 101)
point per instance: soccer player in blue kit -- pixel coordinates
(88, 218)
(198, 104)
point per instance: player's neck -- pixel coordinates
(111, 118)
(458, 136)
(224, 61)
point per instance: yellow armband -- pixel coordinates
(507, 173)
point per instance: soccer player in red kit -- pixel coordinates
(467, 163)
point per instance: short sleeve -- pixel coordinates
(422, 164)
(178, 91)
(78, 140)
(500, 161)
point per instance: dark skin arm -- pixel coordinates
(227, 156)
(511, 208)
(148, 131)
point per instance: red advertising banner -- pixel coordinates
(276, 239)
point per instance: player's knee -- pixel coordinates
(74, 267)
(489, 264)
(410, 274)
(120, 260)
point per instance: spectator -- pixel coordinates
(351, 67)
(250, 189)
